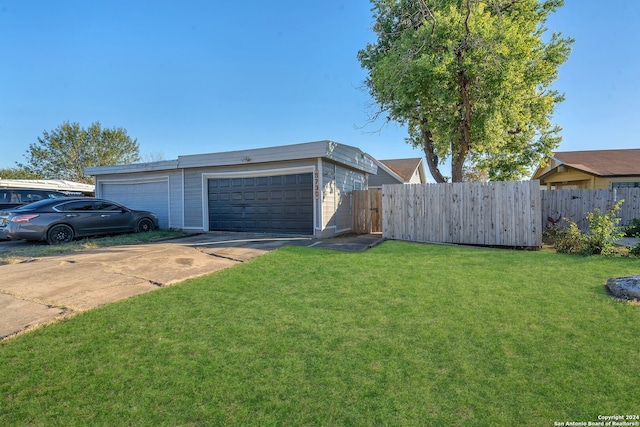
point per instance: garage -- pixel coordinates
(289, 189)
(274, 204)
(152, 196)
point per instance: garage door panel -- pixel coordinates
(306, 210)
(281, 203)
(276, 195)
(151, 196)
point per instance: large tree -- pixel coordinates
(65, 152)
(471, 79)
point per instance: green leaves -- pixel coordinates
(65, 152)
(473, 76)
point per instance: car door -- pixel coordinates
(82, 216)
(115, 218)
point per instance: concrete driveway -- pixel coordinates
(41, 291)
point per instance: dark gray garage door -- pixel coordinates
(281, 204)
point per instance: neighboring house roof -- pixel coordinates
(604, 163)
(398, 171)
(406, 168)
(47, 184)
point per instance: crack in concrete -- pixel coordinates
(63, 307)
(144, 279)
(223, 257)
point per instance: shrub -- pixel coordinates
(603, 230)
(552, 234)
(569, 239)
(633, 228)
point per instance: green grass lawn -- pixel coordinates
(403, 334)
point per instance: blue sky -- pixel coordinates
(191, 76)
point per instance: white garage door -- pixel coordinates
(150, 196)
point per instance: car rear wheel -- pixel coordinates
(144, 225)
(59, 234)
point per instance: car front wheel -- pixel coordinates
(59, 234)
(144, 225)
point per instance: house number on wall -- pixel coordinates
(316, 183)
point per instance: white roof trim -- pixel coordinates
(47, 184)
(310, 150)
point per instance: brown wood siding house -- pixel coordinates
(591, 169)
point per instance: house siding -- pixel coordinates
(582, 181)
(338, 183)
(193, 199)
(346, 181)
(415, 178)
(381, 178)
(328, 194)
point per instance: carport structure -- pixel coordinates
(297, 189)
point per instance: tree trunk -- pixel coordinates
(432, 158)
(459, 152)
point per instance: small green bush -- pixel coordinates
(569, 239)
(603, 232)
(633, 228)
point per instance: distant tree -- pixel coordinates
(65, 152)
(153, 156)
(471, 79)
(18, 173)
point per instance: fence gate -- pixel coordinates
(367, 211)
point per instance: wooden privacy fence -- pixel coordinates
(491, 214)
(576, 204)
